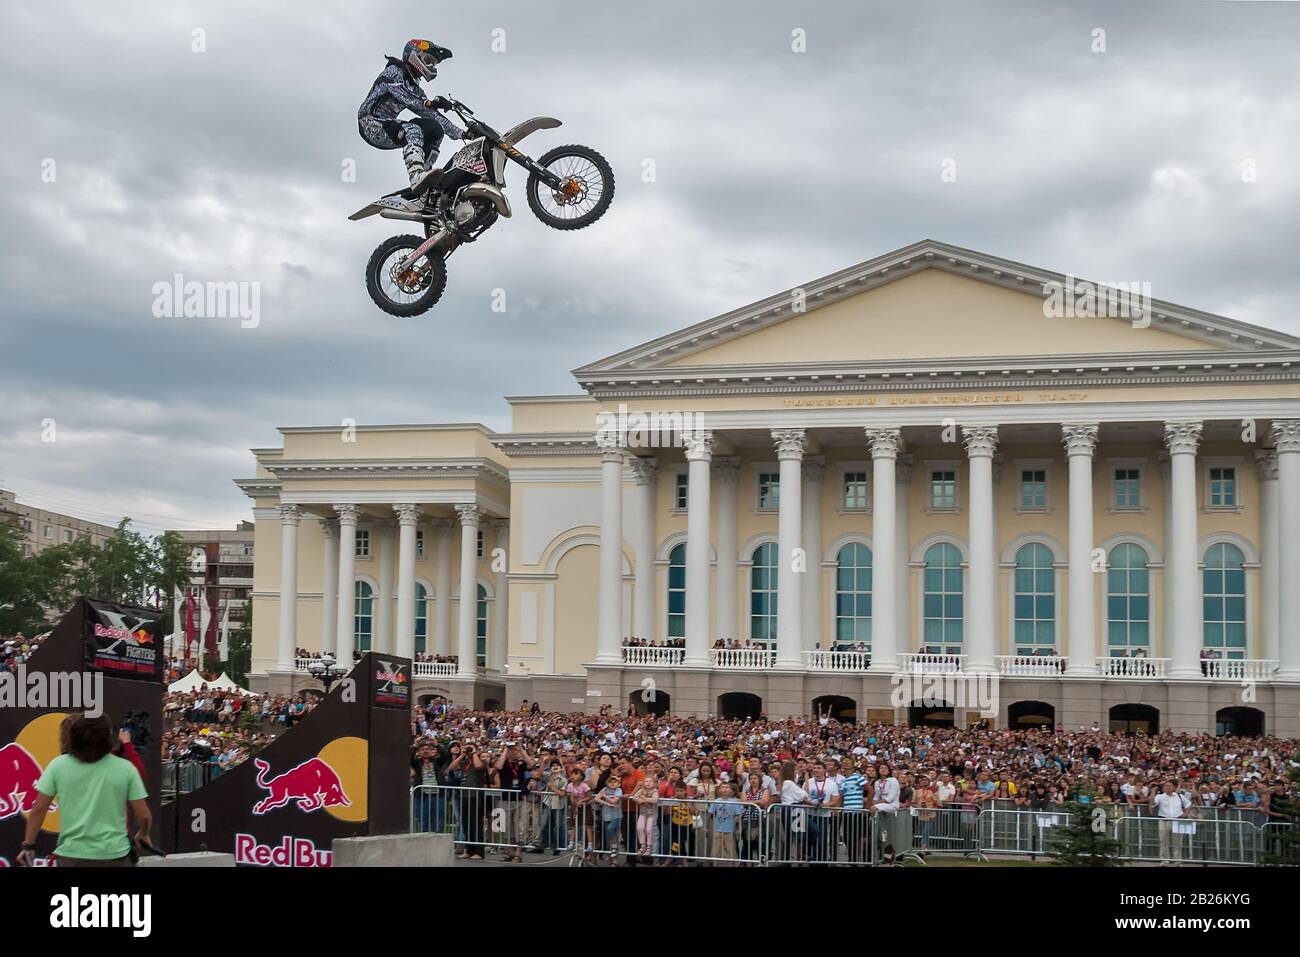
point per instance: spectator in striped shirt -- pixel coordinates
(853, 825)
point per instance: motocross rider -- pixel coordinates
(396, 89)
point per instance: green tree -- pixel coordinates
(127, 568)
(240, 650)
(28, 585)
(1084, 838)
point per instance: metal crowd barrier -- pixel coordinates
(673, 832)
(482, 818)
(1188, 840)
(678, 832)
(820, 837)
(185, 776)
(1019, 831)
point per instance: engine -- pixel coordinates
(465, 212)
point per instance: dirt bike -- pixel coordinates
(569, 187)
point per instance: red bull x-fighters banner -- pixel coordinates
(100, 658)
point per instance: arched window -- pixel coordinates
(676, 593)
(481, 624)
(762, 593)
(943, 601)
(421, 618)
(1224, 591)
(364, 610)
(1035, 604)
(853, 597)
(1128, 600)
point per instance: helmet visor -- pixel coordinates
(425, 64)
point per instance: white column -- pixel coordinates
(699, 452)
(609, 610)
(646, 473)
(1181, 559)
(442, 536)
(500, 624)
(1166, 592)
(981, 644)
(1081, 631)
(1270, 551)
(789, 582)
(345, 635)
(813, 474)
(408, 516)
(1286, 436)
(884, 549)
(329, 600)
(466, 639)
(903, 632)
(728, 471)
(382, 536)
(290, 516)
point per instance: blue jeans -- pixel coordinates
(554, 832)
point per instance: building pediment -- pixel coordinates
(936, 311)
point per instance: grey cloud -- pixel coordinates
(771, 168)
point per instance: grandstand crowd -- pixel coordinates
(629, 769)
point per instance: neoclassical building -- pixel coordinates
(914, 467)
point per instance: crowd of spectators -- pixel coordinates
(651, 785)
(225, 728)
(17, 649)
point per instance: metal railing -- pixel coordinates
(748, 659)
(653, 656)
(679, 831)
(1188, 840)
(672, 832)
(185, 776)
(481, 818)
(925, 663)
(837, 660)
(1036, 666)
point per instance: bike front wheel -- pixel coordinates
(405, 291)
(586, 188)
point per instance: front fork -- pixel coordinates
(418, 252)
(541, 172)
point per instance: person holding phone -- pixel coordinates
(93, 788)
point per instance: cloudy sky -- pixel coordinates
(771, 167)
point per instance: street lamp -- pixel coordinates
(326, 670)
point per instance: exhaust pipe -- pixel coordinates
(402, 214)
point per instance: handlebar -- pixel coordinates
(471, 123)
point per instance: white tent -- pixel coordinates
(195, 681)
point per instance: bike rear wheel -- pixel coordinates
(405, 292)
(585, 192)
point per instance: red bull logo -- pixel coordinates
(19, 772)
(312, 785)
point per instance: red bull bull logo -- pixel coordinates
(312, 785)
(19, 772)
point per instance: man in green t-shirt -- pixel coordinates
(93, 788)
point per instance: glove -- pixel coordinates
(438, 103)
